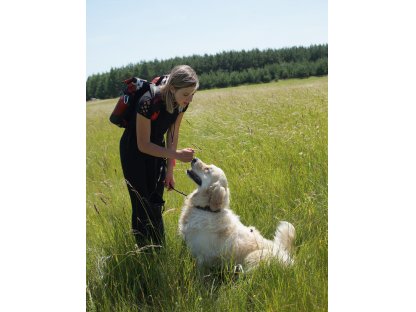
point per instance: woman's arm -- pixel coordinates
(147, 147)
(172, 143)
(172, 139)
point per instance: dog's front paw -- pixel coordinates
(238, 269)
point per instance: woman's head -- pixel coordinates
(180, 87)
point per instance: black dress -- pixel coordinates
(144, 173)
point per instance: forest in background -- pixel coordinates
(221, 70)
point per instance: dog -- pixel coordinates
(213, 232)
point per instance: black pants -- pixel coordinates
(144, 175)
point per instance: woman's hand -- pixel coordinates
(169, 180)
(185, 155)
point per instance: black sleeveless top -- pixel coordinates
(160, 119)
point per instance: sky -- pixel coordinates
(123, 32)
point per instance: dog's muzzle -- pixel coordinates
(194, 177)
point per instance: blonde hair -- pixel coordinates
(181, 76)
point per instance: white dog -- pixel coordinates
(213, 233)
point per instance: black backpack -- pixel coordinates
(131, 94)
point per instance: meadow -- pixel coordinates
(271, 140)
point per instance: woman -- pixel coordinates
(145, 156)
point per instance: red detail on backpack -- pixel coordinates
(154, 116)
(127, 81)
(154, 80)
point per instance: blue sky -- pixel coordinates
(123, 32)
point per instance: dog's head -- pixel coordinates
(212, 184)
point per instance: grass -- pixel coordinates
(271, 141)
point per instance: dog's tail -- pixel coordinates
(284, 237)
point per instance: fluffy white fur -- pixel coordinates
(218, 235)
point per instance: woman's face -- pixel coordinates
(184, 96)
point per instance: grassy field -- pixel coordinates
(271, 141)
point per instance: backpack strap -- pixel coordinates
(156, 100)
(153, 90)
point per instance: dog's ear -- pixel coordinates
(218, 197)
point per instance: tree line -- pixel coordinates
(221, 70)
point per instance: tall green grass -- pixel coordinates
(271, 141)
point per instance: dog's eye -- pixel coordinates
(206, 170)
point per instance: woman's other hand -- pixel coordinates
(169, 181)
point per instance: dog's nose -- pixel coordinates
(194, 160)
